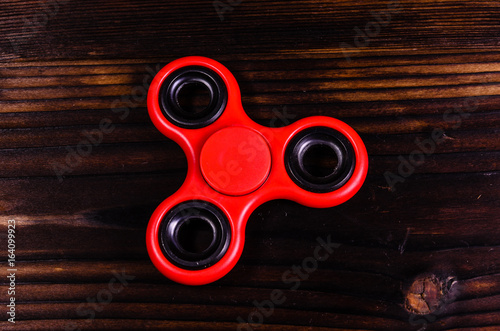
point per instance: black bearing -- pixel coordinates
(326, 141)
(206, 78)
(194, 235)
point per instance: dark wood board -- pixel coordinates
(396, 71)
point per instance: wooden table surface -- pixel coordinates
(418, 80)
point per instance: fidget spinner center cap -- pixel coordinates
(235, 160)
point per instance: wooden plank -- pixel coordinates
(63, 162)
(443, 25)
(377, 144)
(139, 324)
(142, 293)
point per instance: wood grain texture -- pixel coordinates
(67, 66)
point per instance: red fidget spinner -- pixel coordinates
(235, 165)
